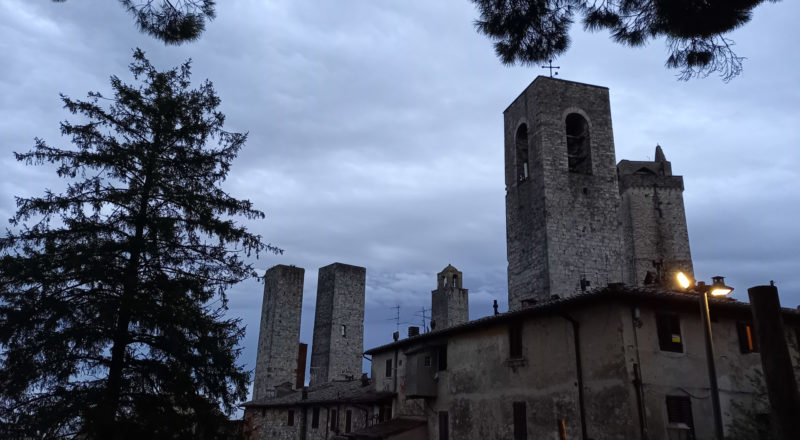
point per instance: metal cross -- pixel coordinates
(551, 67)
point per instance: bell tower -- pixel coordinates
(562, 224)
(449, 302)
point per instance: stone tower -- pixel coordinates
(653, 221)
(449, 302)
(279, 335)
(338, 324)
(562, 224)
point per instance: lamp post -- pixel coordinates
(717, 288)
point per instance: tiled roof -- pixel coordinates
(556, 305)
(351, 391)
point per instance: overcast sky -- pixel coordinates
(375, 136)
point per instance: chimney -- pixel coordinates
(413, 331)
(395, 336)
(364, 379)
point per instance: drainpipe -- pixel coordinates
(638, 381)
(579, 371)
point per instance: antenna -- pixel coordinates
(396, 317)
(423, 314)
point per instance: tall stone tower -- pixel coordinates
(653, 221)
(449, 302)
(279, 335)
(338, 323)
(562, 224)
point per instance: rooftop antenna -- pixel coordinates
(396, 317)
(551, 67)
(423, 314)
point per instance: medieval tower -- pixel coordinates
(449, 302)
(338, 343)
(278, 349)
(656, 241)
(562, 200)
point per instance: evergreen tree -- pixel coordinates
(171, 21)
(112, 293)
(533, 31)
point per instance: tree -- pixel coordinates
(532, 31)
(171, 21)
(112, 293)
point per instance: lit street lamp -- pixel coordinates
(719, 289)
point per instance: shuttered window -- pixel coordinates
(515, 340)
(679, 414)
(747, 337)
(520, 421)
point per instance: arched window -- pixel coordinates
(521, 146)
(578, 144)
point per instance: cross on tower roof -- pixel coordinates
(551, 67)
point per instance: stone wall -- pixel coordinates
(338, 344)
(279, 334)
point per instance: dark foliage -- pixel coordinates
(171, 21)
(533, 31)
(112, 293)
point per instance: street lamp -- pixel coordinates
(718, 289)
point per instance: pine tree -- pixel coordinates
(171, 21)
(533, 31)
(112, 293)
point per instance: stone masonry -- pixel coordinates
(449, 302)
(279, 334)
(338, 344)
(653, 221)
(562, 199)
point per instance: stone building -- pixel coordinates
(598, 342)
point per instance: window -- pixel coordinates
(389, 367)
(747, 337)
(515, 340)
(348, 420)
(315, 418)
(521, 147)
(290, 422)
(669, 332)
(442, 358)
(679, 417)
(444, 425)
(520, 421)
(427, 361)
(344, 331)
(578, 145)
(334, 422)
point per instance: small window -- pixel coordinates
(747, 337)
(389, 367)
(578, 144)
(290, 422)
(348, 420)
(521, 147)
(515, 340)
(444, 425)
(315, 418)
(427, 361)
(669, 332)
(334, 421)
(679, 417)
(344, 331)
(442, 358)
(520, 421)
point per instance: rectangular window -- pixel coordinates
(315, 418)
(747, 337)
(515, 340)
(334, 422)
(389, 367)
(442, 358)
(668, 326)
(344, 330)
(290, 422)
(427, 361)
(520, 421)
(444, 425)
(348, 420)
(679, 416)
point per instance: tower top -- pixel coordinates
(449, 277)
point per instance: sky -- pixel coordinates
(375, 136)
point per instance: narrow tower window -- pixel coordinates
(522, 153)
(578, 144)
